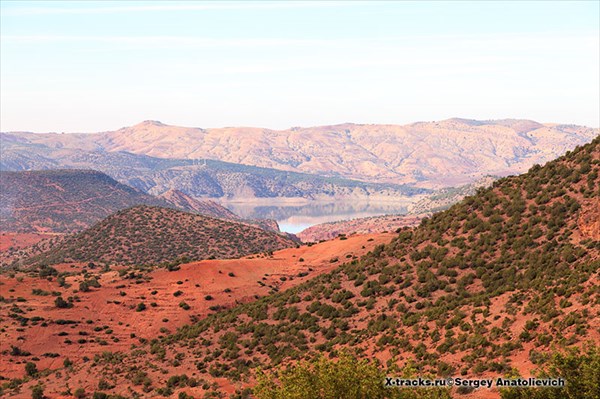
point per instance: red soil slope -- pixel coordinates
(113, 305)
(21, 240)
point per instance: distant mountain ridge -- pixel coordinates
(444, 153)
(196, 178)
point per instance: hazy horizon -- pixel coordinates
(286, 128)
(94, 66)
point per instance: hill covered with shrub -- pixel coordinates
(496, 282)
(149, 235)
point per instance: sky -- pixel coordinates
(97, 66)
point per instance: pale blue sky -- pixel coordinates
(93, 66)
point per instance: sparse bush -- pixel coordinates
(37, 392)
(59, 302)
(31, 369)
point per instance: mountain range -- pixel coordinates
(197, 178)
(496, 284)
(427, 154)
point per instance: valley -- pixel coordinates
(122, 308)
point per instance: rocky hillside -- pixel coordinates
(145, 235)
(63, 200)
(444, 198)
(211, 208)
(447, 153)
(493, 283)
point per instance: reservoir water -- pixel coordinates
(295, 216)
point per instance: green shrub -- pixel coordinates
(581, 372)
(60, 303)
(347, 378)
(31, 369)
(37, 392)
